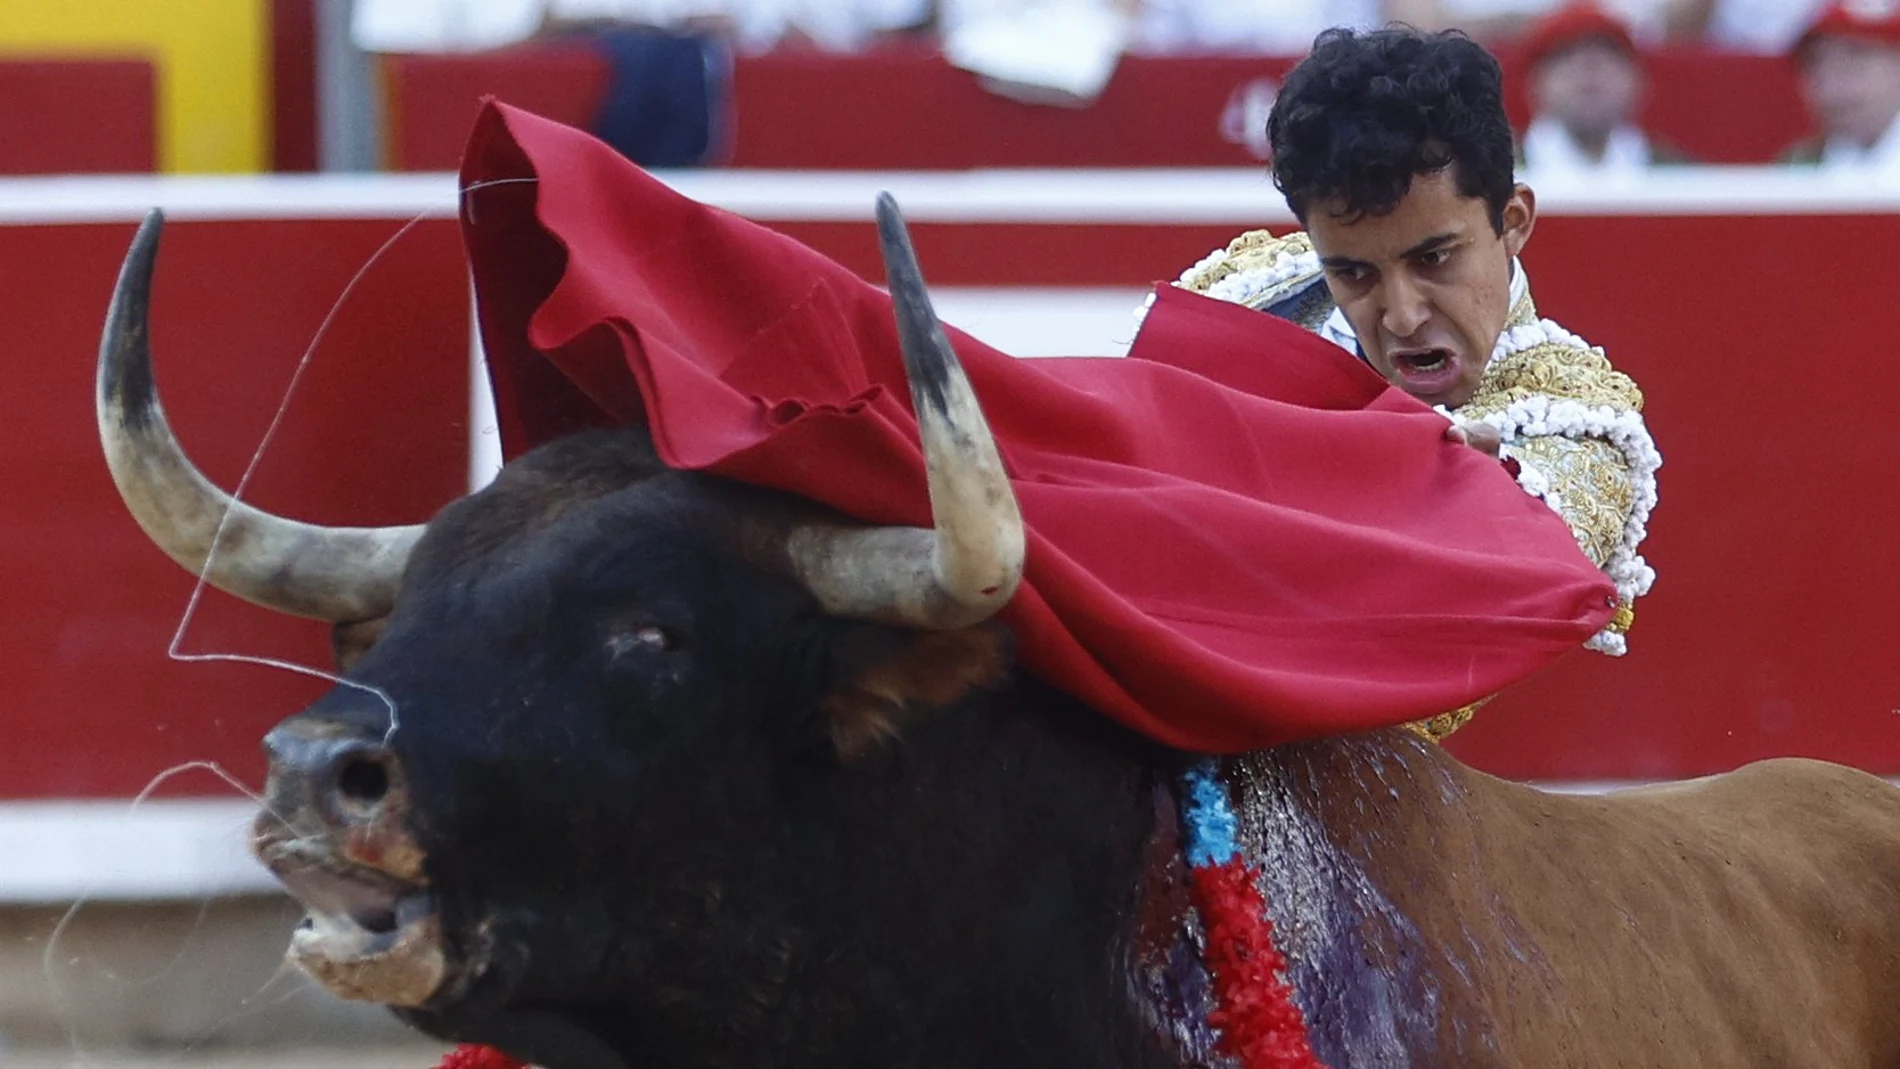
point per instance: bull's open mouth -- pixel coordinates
(367, 935)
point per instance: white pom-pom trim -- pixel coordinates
(1540, 416)
(1243, 287)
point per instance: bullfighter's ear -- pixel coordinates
(349, 642)
(884, 677)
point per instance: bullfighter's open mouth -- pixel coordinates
(367, 935)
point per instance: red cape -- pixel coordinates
(1239, 536)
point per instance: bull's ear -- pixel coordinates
(884, 677)
(349, 642)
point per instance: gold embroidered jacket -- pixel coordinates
(1572, 423)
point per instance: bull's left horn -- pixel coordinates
(341, 574)
(967, 568)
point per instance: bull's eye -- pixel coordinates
(648, 639)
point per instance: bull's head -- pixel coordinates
(616, 715)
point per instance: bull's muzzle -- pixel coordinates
(334, 832)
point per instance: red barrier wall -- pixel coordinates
(911, 110)
(65, 115)
(1762, 348)
(429, 102)
(376, 433)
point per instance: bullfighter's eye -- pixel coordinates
(648, 639)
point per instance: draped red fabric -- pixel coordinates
(1239, 536)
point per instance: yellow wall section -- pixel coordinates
(212, 58)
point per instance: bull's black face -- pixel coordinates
(599, 760)
(607, 787)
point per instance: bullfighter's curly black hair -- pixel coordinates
(1366, 112)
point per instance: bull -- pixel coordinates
(641, 767)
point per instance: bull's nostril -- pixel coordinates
(376, 921)
(362, 780)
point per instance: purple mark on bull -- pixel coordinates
(1358, 966)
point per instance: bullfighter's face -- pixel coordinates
(1426, 286)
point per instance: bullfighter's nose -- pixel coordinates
(338, 774)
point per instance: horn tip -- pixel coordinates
(150, 226)
(891, 230)
(124, 386)
(144, 248)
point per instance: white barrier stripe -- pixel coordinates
(126, 198)
(57, 851)
(1237, 197)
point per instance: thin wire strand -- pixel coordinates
(175, 650)
(48, 957)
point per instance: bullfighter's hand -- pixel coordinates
(1480, 436)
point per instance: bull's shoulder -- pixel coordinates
(1789, 830)
(1769, 832)
(1759, 895)
(1795, 789)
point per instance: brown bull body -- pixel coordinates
(640, 768)
(1740, 920)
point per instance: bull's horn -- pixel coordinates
(330, 573)
(966, 569)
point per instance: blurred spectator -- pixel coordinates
(1849, 59)
(1764, 27)
(751, 25)
(441, 25)
(1500, 21)
(1040, 51)
(1586, 88)
(668, 61)
(1268, 27)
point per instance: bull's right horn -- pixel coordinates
(968, 564)
(340, 574)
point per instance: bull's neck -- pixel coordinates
(958, 899)
(976, 903)
(1354, 836)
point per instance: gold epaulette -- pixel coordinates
(1255, 250)
(1260, 271)
(1552, 369)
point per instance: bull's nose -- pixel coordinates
(337, 773)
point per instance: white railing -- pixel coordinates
(1106, 197)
